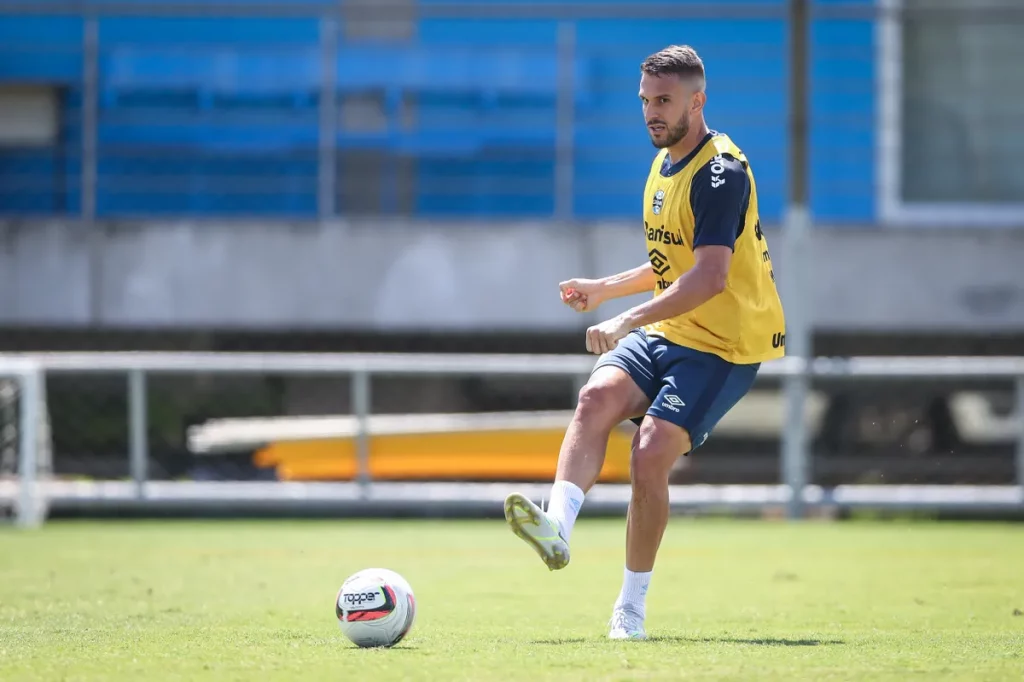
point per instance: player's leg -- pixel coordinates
(609, 398)
(698, 390)
(611, 395)
(656, 447)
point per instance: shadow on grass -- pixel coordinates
(674, 639)
(762, 641)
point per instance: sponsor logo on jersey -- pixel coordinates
(659, 263)
(717, 168)
(660, 235)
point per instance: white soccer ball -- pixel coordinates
(375, 607)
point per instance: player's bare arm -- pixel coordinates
(701, 283)
(584, 295)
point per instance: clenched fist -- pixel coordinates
(582, 295)
(603, 337)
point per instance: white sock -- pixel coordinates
(633, 596)
(565, 504)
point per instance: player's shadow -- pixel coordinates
(766, 641)
(759, 641)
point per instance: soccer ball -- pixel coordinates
(375, 607)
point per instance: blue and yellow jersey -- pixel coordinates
(709, 198)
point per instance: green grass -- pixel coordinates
(730, 600)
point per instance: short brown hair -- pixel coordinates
(676, 60)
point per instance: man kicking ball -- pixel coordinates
(676, 364)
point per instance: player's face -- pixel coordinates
(667, 108)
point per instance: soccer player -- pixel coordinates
(678, 362)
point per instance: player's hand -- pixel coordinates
(603, 337)
(582, 295)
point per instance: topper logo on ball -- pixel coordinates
(359, 598)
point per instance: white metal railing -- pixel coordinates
(30, 370)
(28, 503)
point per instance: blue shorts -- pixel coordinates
(690, 388)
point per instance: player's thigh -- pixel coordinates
(697, 390)
(623, 380)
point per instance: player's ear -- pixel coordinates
(699, 100)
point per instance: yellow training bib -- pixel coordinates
(710, 198)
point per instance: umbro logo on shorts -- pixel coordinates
(673, 402)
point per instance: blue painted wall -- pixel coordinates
(218, 117)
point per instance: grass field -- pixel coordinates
(730, 600)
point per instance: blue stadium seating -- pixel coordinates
(219, 116)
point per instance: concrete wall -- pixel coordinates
(377, 275)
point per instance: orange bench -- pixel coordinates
(494, 455)
(482, 446)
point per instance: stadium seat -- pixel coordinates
(41, 49)
(484, 91)
(209, 77)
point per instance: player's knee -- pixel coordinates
(600, 405)
(657, 447)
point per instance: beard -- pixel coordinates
(673, 134)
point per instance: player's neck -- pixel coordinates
(681, 149)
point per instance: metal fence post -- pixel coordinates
(89, 163)
(138, 424)
(795, 236)
(30, 506)
(90, 98)
(1020, 430)
(795, 457)
(361, 409)
(565, 118)
(327, 158)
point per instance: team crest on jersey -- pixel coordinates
(659, 201)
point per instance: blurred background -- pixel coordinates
(416, 176)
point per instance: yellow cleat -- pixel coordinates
(537, 529)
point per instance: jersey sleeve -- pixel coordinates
(719, 195)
